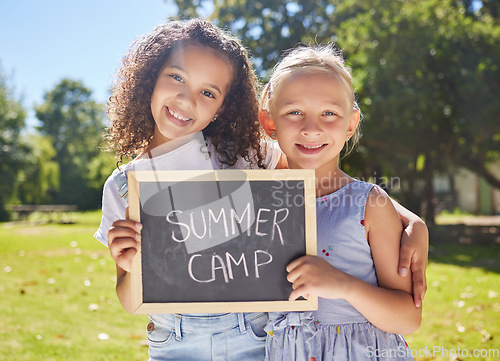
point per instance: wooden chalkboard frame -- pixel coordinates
(305, 176)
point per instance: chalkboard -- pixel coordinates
(219, 241)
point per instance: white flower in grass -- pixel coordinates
(103, 336)
(87, 283)
(467, 295)
(492, 294)
(93, 307)
(51, 281)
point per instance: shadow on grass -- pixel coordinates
(466, 245)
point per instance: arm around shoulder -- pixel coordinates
(417, 239)
(413, 255)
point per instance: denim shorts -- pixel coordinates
(229, 336)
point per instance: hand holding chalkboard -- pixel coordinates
(220, 240)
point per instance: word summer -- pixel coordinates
(207, 224)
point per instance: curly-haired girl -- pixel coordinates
(234, 130)
(185, 90)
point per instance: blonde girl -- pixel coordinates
(364, 304)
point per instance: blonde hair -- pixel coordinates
(319, 59)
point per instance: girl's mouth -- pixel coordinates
(177, 117)
(310, 148)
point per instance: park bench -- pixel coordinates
(53, 211)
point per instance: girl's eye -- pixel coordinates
(329, 113)
(208, 94)
(177, 77)
(294, 112)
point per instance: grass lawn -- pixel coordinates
(58, 300)
(461, 315)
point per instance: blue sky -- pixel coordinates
(44, 41)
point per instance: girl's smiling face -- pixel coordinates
(189, 92)
(313, 119)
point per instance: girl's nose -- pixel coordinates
(311, 127)
(186, 98)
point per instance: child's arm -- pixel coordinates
(384, 229)
(413, 254)
(389, 307)
(123, 239)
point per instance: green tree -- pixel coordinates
(426, 73)
(99, 169)
(12, 151)
(267, 27)
(39, 180)
(74, 123)
(429, 77)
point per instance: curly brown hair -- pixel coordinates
(236, 129)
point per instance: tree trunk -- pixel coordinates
(409, 197)
(430, 198)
